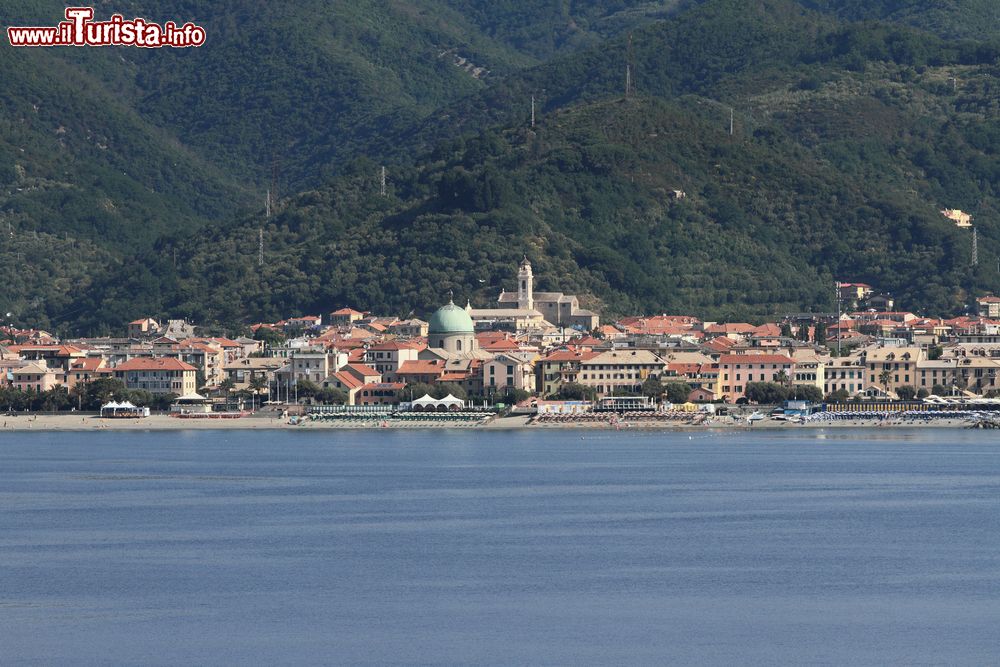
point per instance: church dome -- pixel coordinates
(450, 319)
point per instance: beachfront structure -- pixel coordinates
(158, 376)
(737, 370)
(845, 373)
(620, 370)
(890, 368)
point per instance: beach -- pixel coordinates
(76, 422)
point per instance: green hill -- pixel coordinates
(848, 140)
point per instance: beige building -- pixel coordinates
(158, 376)
(620, 370)
(847, 373)
(35, 376)
(526, 307)
(510, 369)
(891, 367)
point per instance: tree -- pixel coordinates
(939, 390)
(331, 396)
(821, 333)
(227, 386)
(652, 387)
(884, 378)
(515, 395)
(781, 377)
(307, 388)
(934, 352)
(573, 391)
(922, 393)
(786, 330)
(442, 389)
(809, 393)
(678, 392)
(766, 393)
(417, 390)
(838, 396)
(906, 392)
(257, 384)
(271, 337)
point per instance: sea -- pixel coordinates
(527, 547)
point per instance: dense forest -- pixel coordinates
(814, 141)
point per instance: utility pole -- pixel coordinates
(837, 287)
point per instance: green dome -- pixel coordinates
(450, 319)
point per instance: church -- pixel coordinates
(526, 309)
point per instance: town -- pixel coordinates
(537, 349)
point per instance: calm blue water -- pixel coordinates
(854, 547)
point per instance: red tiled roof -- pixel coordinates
(158, 364)
(362, 369)
(348, 380)
(755, 359)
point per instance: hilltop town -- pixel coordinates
(530, 345)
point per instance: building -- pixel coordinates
(514, 370)
(845, 373)
(959, 217)
(411, 328)
(380, 393)
(988, 306)
(34, 376)
(891, 367)
(451, 329)
(345, 317)
(158, 376)
(556, 308)
(620, 370)
(386, 358)
(143, 328)
(737, 370)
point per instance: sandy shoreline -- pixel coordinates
(22, 423)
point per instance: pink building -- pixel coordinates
(736, 370)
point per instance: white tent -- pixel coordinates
(451, 402)
(425, 401)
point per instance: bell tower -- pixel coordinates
(525, 286)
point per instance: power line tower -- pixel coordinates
(532, 111)
(975, 247)
(381, 188)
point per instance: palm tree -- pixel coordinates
(884, 377)
(781, 377)
(256, 384)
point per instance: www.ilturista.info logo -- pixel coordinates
(79, 29)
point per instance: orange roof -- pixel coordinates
(755, 359)
(347, 311)
(421, 367)
(348, 380)
(362, 369)
(571, 355)
(88, 364)
(393, 345)
(158, 364)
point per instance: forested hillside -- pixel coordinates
(848, 138)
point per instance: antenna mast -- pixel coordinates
(382, 183)
(628, 68)
(532, 111)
